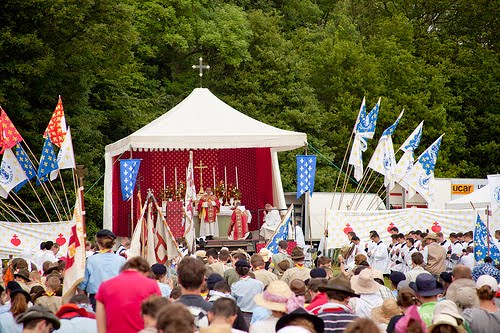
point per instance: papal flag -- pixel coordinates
(494, 185)
(48, 162)
(11, 173)
(65, 156)
(420, 178)
(366, 126)
(406, 161)
(281, 232)
(383, 159)
(75, 258)
(56, 128)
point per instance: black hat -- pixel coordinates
(426, 285)
(159, 269)
(319, 325)
(242, 263)
(446, 277)
(105, 233)
(14, 289)
(396, 277)
(39, 312)
(317, 273)
(213, 279)
(339, 283)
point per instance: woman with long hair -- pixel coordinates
(19, 300)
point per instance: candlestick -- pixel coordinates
(237, 177)
(213, 169)
(175, 173)
(225, 177)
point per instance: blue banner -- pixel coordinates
(128, 175)
(281, 232)
(306, 171)
(48, 162)
(481, 235)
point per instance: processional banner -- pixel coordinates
(18, 237)
(361, 222)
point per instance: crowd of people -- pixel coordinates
(421, 282)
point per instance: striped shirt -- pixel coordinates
(336, 317)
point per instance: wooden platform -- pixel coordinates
(247, 245)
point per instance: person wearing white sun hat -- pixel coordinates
(365, 286)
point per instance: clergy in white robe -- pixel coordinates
(272, 220)
(378, 257)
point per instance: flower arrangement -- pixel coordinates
(220, 189)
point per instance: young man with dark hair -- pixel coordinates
(175, 318)
(298, 271)
(149, 310)
(191, 277)
(213, 262)
(223, 314)
(417, 260)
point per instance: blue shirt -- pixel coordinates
(260, 313)
(485, 269)
(100, 267)
(8, 324)
(165, 289)
(244, 290)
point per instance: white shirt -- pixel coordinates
(299, 237)
(468, 260)
(379, 258)
(446, 245)
(272, 220)
(412, 275)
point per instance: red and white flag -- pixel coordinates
(188, 206)
(56, 128)
(75, 258)
(9, 136)
(165, 245)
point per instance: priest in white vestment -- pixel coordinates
(272, 220)
(378, 257)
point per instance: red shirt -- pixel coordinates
(122, 297)
(318, 300)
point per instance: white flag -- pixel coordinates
(65, 157)
(76, 256)
(356, 156)
(11, 173)
(421, 176)
(383, 160)
(406, 161)
(150, 237)
(136, 241)
(494, 185)
(189, 200)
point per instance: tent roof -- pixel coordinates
(202, 121)
(479, 199)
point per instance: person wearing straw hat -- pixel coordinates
(279, 299)
(299, 271)
(337, 314)
(383, 314)
(365, 285)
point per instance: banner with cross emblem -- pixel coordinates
(306, 171)
(128, 175)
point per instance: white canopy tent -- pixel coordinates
(203, 121)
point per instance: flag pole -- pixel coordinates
(360, 200)
(18, 209)
(64, 190)
(342, 167)
(488, 227)
(279, 225)
(10, 211)
(14, 195)
(166, 226)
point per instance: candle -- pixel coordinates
(236, 177)
(213, 169)
(175, 172)
(225, 176)
(164, 179)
